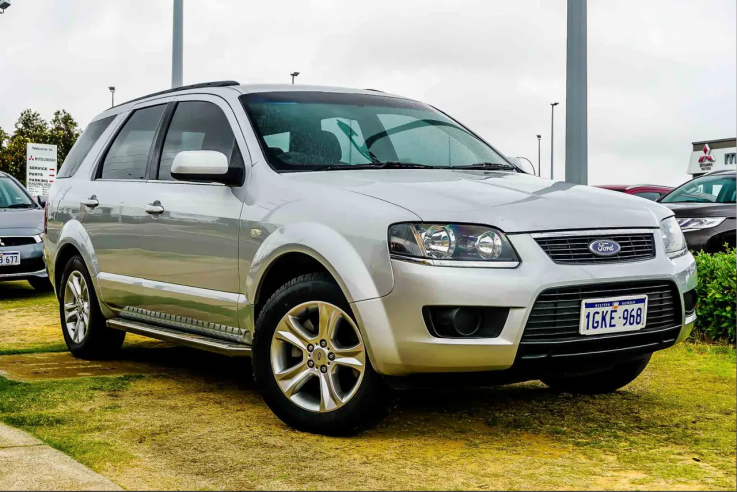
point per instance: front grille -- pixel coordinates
(17, 241)
(553, 326)
(26, 266)
(575, 249)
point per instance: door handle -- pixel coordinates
(154, 208)
(91, 202)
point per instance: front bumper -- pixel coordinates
(32, 263)
(399, 342)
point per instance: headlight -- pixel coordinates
(699, 223)
(675, 243)
(452, 245)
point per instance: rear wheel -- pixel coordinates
(82, 322)
(601, 382)
(310, 360)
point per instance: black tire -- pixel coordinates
(41, 284)
(607, 381)
(372, 401)
(99, 342)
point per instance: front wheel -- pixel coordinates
(607, 381)
(82, 322)
(310, 360)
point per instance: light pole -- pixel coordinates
(538, 155)
(112, 95)
(177, 48)
(577, 146)
(552, 134)
(293, 74)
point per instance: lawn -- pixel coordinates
(197, 422)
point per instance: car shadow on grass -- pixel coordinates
(526, 407)
(20, 292)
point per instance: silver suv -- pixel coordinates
(353, 243)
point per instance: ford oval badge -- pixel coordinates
(604, 247)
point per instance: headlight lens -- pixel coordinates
(675, 243)
(694, 224)
(452, 245)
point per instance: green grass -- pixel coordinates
(42, 348)
(205, 427)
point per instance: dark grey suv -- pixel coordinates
(21, 235)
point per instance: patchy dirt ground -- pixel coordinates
(199, 423)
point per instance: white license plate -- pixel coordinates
(612, 315)
(8, 258)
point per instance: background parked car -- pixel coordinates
(705, 210)
(21, 235)
(650, 192)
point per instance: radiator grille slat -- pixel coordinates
(575, 249)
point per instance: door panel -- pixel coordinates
(110, 207)
(190, 250)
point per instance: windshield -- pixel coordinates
(13, 196)
(719, 188)
(309, 131)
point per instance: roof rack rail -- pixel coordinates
(374, 90)
(217, 83)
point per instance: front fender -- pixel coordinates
(363, 272)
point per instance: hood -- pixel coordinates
(703, 209)
(21, 222)
(513, 202)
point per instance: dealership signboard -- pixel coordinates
(40, 168)
(713, 155)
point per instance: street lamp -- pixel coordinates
(538, 155)
(293, 74)
(4, 5)
(552, 134)
(112, 95)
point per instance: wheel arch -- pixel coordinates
(305, 248)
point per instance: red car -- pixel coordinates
(650, 192)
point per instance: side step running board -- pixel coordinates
(181, 338)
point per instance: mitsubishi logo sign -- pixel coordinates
(706, 160)
(707, 157)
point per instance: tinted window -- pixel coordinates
(306, 131)
(82, 147)
(128, 155)
(717, 188)
(649, 195)
(13, 196)
(198, 125)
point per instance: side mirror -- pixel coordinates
(41, 201)
(205, 166)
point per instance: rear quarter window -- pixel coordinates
(82, 147)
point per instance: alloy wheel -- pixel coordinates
(76, 307)
(318, 356)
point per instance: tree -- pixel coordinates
(63, 131)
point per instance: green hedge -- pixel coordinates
(717, 290)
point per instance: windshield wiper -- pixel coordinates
(377, 165)
(489, 165)
(21, 205)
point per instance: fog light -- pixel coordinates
(464, 321)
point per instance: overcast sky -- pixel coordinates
(661, 73)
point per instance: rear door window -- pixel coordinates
(82, 147)
(127, 157)
(198, 125)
